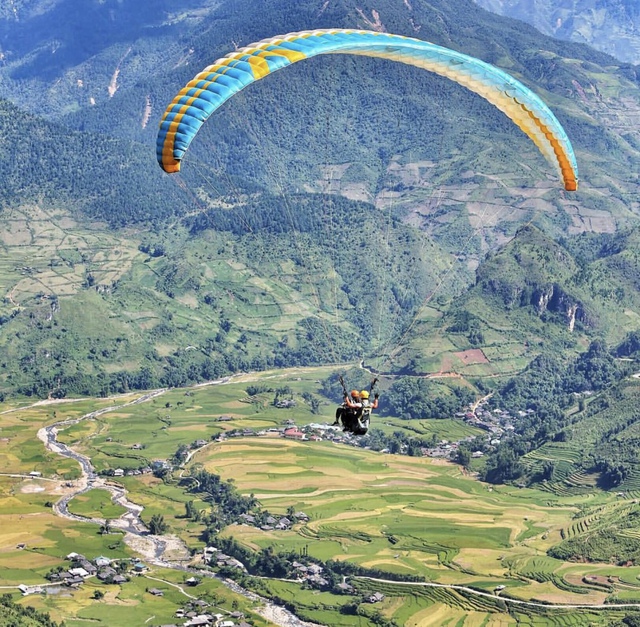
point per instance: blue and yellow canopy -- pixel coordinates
(218, 82)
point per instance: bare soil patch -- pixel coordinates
(472, 356)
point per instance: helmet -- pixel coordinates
(355, 393)
(364, 394)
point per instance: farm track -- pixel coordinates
(509, 600)
(135, 530)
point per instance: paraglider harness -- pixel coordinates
(355, 421)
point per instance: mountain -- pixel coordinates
(363, 128)
(335, 210)
(612, 26)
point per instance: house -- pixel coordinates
(376, 597)
(118, 472)
(119, 579)
(139, 567)
(198, 621)
(225, 418)
(106, 573)
(294, 433)
(226, 623)
(89, 567)
(102, 561)
(156, 592)
(74, 581)
(192, 581)
(79, 572)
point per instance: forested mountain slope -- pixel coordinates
(533, 296)
(364, 128)
(106, 178)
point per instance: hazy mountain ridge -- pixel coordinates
(612, 26)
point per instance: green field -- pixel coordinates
(95, 504)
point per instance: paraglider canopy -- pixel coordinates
(218, 82)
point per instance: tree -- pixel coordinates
(190, 510)
(463, 456)
(157, 525)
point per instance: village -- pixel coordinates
(497, 424)
(194, 613)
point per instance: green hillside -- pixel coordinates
(535, 295)
(86, 173)
(90, 312)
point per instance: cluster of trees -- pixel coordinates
(549, 387)
(397, 442)
(268, 563)
(603, 545)
(469, 324)
(110, 180)
(226, 502)
(12, 613)
(417, 397)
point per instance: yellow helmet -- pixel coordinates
(364, 394)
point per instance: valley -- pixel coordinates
(173, 347)
(476, 546)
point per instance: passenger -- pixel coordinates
(348, 411)
(363, 419)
